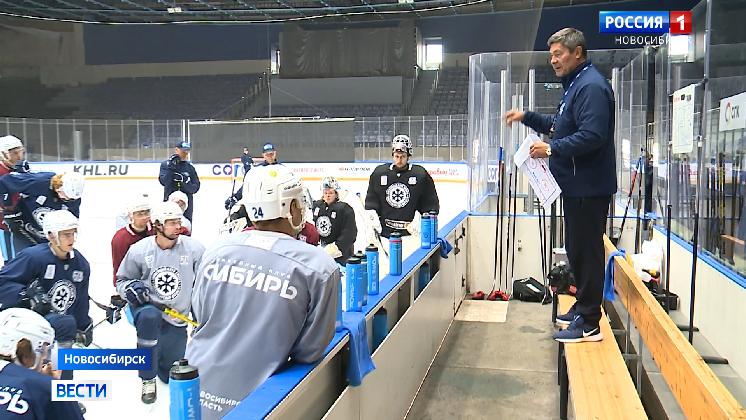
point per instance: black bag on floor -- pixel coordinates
(528, 290)
(561, 279)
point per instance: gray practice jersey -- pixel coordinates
(167, 273)
(259, 298)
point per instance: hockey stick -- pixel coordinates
(498, 240)
(375, 232)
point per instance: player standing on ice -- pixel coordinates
(41, 193)
(262, 294)
(138, 213)
(335, 222)
(270, 158)
(159, 273)
(52, 280)
(26, 340)
(246, 160)
(12, 151)
(182, 200)
(395, 192)
(177, 174)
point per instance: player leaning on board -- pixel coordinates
(396, 192)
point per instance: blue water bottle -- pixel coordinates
(434, 227)
(425, 229)
(338, 322)
(364, 274)
(424, 277)
(395, 254)
(371, 255)
(354, 285)
(183, 389)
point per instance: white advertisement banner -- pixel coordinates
(733, 113)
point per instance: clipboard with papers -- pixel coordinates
(537, 171)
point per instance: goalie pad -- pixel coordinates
(333, 250)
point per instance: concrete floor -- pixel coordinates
(494, 370)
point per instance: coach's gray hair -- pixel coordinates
(569, 38)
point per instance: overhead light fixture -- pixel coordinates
(679, 48)
(406, 1)
(174, 10)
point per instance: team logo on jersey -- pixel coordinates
(62, 295)
(166, 282)
(412, 180)
(149, 260)
(316, 211)
(77, 276)
(184, 260)
(384, 180)
(49, 274)
(397, 195)
(324, 226)
(38, 216)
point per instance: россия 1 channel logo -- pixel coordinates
(645, 22)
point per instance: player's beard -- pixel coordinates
(162, 232)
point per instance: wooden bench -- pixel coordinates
(698, 391)
(730, 245)
(595, 375)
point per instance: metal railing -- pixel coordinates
(435, 138)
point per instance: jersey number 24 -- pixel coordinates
(257, 212)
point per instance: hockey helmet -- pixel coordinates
(8, 143)
(268, 192)
(17, 324)
(140, 203)
(73, 184)
(330, 182)
(167, 210)
(58, 220)
(401, 143)
(177, 196)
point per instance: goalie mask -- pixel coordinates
(401, 143)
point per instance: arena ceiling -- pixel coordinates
(165, 11)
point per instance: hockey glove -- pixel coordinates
(34, 298)
(21, 167)
(136, 293)
(230, 202)
(173, 161)
(414, 227)
(85, 337)
(178, 177)
(333, 250)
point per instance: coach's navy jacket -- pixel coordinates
(583, 158)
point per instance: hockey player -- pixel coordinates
(156, 273)
(12, 151)
(259, 281)
(270, 158)
(52, 279)
(182, 200)
(246, 160)
(335, 222)
(177, 174)
(41, 193)
(138, 212)
(26, 340)
(397, 190)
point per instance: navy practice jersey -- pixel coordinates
(37, 199)
(65, 281)
(336, 223)
(25, 394)
(396, 193)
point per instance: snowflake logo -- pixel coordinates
(397, 195)
(166, 282)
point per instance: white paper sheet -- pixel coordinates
(537, 171)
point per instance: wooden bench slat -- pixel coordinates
(600, 384)
(699, 392)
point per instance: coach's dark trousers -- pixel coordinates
(585, 222)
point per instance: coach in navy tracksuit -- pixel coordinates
(177, 174)
(581, 158)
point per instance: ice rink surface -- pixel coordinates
(103, 200)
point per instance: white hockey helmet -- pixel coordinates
(167, 210)
(8, 143)
(179, 196)
(139, 203)
(17, 324)
(401, 143)
(330, 182)
(72, 184)
(268, 192)
(58, 220)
